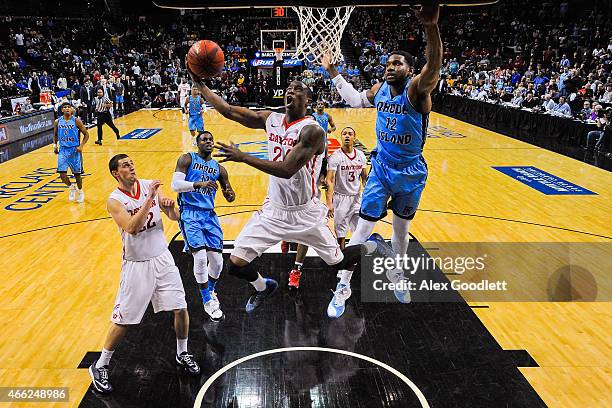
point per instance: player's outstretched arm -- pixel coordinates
(244, 116)
(132, 224)
(353, 97)
(226, 187)
(426, 81)
(311, 143)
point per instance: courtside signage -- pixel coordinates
(140, 133)
(542, 181)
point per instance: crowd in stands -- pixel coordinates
(553, 57)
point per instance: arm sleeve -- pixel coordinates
(350, 94)
(179, 185)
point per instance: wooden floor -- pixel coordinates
(61, 261)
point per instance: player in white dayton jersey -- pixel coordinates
(184, 89)
(346, 174)
(148, 272)
(291, 211)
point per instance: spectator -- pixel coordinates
(146, 100)
(530, 102)
(548, 104)
(562, 108)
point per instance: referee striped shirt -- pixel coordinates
(100, 104)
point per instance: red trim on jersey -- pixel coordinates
(127, 193)
(350, 158)
(286, 126)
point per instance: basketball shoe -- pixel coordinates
(186, 361)
(99, 378)
(395, 275)
(72, 192)
(257, 297)
(336, 307)
(294, 280)
(80, 196)
(213, 309)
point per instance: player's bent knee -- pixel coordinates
(242, 272)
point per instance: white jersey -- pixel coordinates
(302, 186)
(150, 241)
(348, 168)
(184, 90)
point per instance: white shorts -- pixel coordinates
(346, 213)
(182, 101)
(157, 281)
(305, 224)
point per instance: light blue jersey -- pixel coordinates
(399, 171)
(195, 105)
(400, 130)
(200, 170)
(322, 120)
(68, 132)
(198, 223)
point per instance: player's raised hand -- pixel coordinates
(429, 14)
(326, 61)
(229, 152)
(155, 184)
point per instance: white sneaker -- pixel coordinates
(72, 192)
(401, 291)
(80, 196)
(195, 141)
(335, 309)
(213, 309)
(184, 118)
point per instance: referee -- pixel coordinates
(102, 105)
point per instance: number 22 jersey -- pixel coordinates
(150, 241)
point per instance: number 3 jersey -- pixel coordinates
(150, 241)
(348, 167)
(401, 131)
(302, 186)
(200, 170)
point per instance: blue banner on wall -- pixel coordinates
(542, 181)
(140, 134)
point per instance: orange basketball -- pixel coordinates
(205, 59)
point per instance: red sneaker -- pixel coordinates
(294, 279)
(284, 247)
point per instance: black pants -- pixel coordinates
(105, 117)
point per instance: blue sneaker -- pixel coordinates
(401, 292)
(335, 309)
(257, 298)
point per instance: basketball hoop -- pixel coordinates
(321, 30)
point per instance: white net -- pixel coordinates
(321, 30)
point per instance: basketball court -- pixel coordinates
(62, 262)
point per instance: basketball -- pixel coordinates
(205, 59)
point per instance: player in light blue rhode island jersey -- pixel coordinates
(195, 180)
(398, 173)
(67, 144)
(194, 105)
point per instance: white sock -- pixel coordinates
(345, 276)
(181, 346)
(105, 358)
(259, 284)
